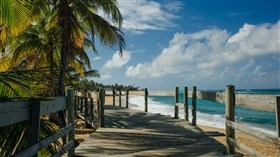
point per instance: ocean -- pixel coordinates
(212, 113)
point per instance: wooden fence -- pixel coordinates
(19, 111)
(231, 126)
(86, 105)
(230, 99)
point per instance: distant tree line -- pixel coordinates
(90, 85)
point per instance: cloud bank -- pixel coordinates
(213, 53)
(143, 15)
(117, 60)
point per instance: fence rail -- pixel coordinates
(90, 107)
(32, 111)
(230, 99)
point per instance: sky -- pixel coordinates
(203, 43)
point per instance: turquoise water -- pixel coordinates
(213, 114)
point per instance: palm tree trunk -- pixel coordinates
(65, 43)
(52, 74)
(64, 14)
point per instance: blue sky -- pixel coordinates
(209, 44)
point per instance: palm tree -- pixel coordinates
(37, 47)
(78, 19)
(16, 16)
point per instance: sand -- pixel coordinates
(258, 145)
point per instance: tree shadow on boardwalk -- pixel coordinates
(130, 132)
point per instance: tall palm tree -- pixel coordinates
(38, 47)
(78, 19)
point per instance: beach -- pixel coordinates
(258, 145)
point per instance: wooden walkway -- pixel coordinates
(129, 132)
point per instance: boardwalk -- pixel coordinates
(129, 132)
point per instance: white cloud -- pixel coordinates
(147, 15)
(96, 58)
(173, 6)
(249, 64)
(105, 76)
(212, 53)
(117, 60)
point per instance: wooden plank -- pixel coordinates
(34, 121)
(86, 107)
(256, 101)
(70, 115)
(186, 108)
(176, 100)
(91, 109)
(101, 107)
(161, 93)
(179, 104)
(8, 110)
(212, 96)
(134, 92)
(277, 114)
(45, 142)
(253, 132)
(146, 100)
(114, 93)
(120, 98)
(130, 132)
(55, 105)
(127, 93)
(64, 149)
(81, 104)
(253, 101)
(230, 116)
(194, 97)
(245, 148)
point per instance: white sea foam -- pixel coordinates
(212, 120)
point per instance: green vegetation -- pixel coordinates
(43, 46)
(91, 85)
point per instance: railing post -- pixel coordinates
(120, 98)
(146, 99)
(86, 105)
(81, 105)
(114, 92)
(194, 105)
(90, 105)
(91, 109)
(230, 116)
(34, 123)
(277, 113)
(75, 103)
(101, 107)
(186, 104)
(70, 119)
(176, 100)
(127, 93)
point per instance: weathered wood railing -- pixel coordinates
(19, 111)
(87, 104)
(229, 98)
(253, 101)
(231, 126)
